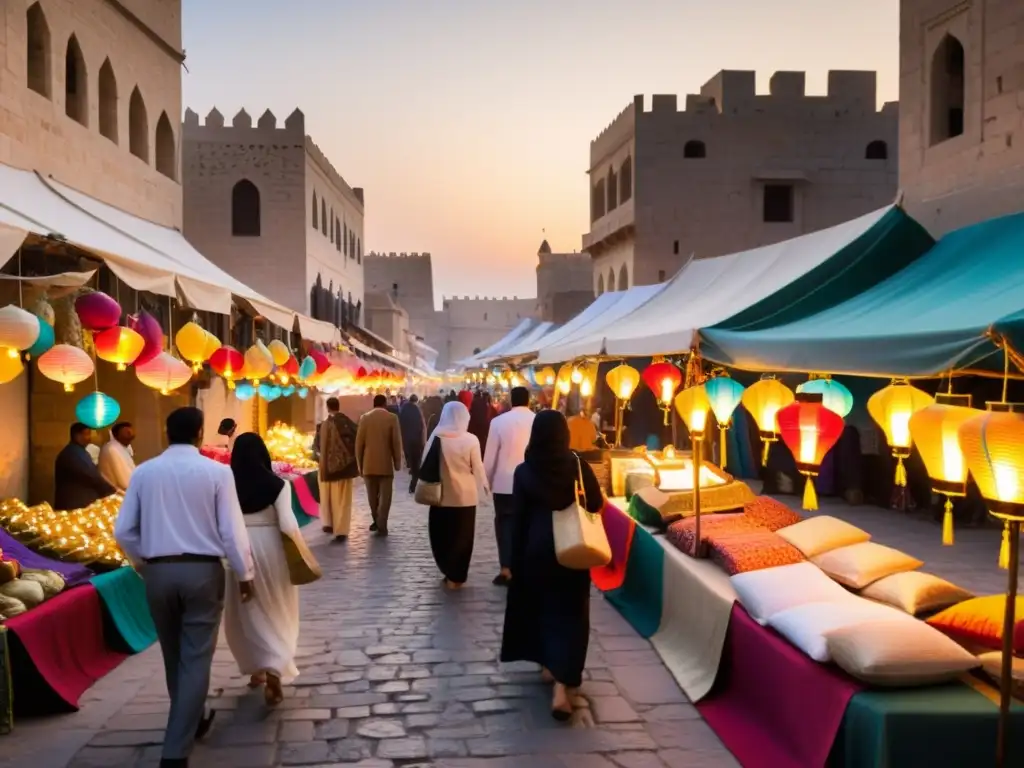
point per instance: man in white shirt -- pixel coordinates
(506, 448)
(117, 459)
(179, 519)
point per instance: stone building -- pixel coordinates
(469, 324)
(264, 203)
(961, 110)
(735, 169)
(564, 284)
(407, 279)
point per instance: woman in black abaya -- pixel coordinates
(547, 617)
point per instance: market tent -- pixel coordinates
(766, 286)
(528, 341)
(522, 328)
(600, 324)
(931, 317)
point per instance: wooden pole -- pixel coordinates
(1006, 678)
(697, 442)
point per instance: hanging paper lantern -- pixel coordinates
(212, 345)
(307, 368)
(289, 369)
(764, 399)
(44, 341)
(891, 408)
(834, 396)
(193, 343)
(934, 430)
(119, 345)
(97, 311)
(693, 406)
(66, 364)
(302, 392)
(279, 352)
(287, 391)
(577, 375)
(149, 329)
(724, 394)
(563, 380)
(227, 362)
(622, 380)
(663, 379)
(164, 372)
(258, 362)
(993, 447)
(18, 330)
(97, 410)
(322, 363)
(810, 430)
(269, 392)
(546, 376)
(244, 391)
(10, 368)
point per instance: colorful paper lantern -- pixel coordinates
(67, 365)
(227, 362)
(193, 343)
(44, 341)
(891, 408)
(563, 381)
(322, 363)
(244, 391)
(269, 392)
(763, 400)
(119, 345)
(279, 352)
(307, 368)
(622, 380)
(153, 336)
(935, 431)
(97, 410)
(10, 368)
(810, 430)
(302, 392)
(834, 396)
(546, 376)
(693, 407)
(287, 391)
(164, 372)
(663, 379)
(18, 330)
(288, 370)
(258, 362)
(97, 311)
(724, 394)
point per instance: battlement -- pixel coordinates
(484, 298)
(393, 255)
(617, 131)
(294, 125)
(355, 194)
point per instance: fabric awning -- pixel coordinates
(528, 341)
(11, 239)
(319, 331)
(522, 328)
(766, 286)
(932, 317)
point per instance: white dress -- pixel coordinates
(263, 634)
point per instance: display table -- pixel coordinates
(123, 595)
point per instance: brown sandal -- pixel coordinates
(255, 681)
(272, 694)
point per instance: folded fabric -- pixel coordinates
(978, 623)
(645, 507)
(72, 572)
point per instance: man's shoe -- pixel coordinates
(382, 533)
(373, 527)
(205, 724)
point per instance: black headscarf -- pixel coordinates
(257, 485)
(555, 467)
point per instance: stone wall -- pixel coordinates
(471, 323)
(559, 274)
(408, 278)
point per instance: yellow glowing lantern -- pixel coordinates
(546, 376)
(164, 372)
(763, 400)
(279, 352)
(258, 363)
(564, 379)
(119, 345)
(212, 345)
(934, 430)
(66, 364)
(18, 330)
(623, 380)
(193, 343)
(577, 375)
(10, 368)
(693, 406)
(891, 408)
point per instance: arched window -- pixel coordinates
(138, 126)
(624, 278)
(315, 213)
(323, 215)
(245, 209)
(612, 189)
(38, 44)
(166, 156)
(877, 150)
(344, 240)
(337, 235)
(600, 284)
(626, 180)
(76, 83)
(359, 251)
(694, 149)
(597, 201)
(108, 102)
(611, 279)
(331, 227)
(947, 90)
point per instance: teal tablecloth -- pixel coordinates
(124, 596)
(639, 598)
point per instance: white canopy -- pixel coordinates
(529, 341)
(709, 291)
(530, 347)
(607, 314)
(522, 328)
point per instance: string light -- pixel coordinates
(83, 535)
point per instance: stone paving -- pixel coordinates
(397, 672)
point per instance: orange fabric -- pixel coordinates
(979, 622)
(582, 434)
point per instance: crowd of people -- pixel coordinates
(207, 538)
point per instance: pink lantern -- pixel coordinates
(149, 329)
(66, 364)
(164, 372)
(97, 311)
(322, 363)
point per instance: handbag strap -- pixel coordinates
(581, 489)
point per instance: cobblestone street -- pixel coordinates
(397, 672)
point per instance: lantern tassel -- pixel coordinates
(666, 416)
(901, 473)
(810, 496)
(723, 448)
(947, 524)
(1004, 549)
(764, 453)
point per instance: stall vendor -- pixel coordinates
(227, 430)
(117, 459)
(77, 481)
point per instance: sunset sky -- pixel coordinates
(468, 122)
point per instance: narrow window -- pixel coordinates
(661, 275)
(947, 90)
(626, 180)
(323, 215)
(245, 209)
(38, 44)
(877, 150)
(76, 81)
(675, 247)
(611, 280)
(315, 214)
(623, 279)
(166, 154)
(108, 102)
(778, 203)
(600, 284)
(138, 127)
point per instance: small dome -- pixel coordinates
(544, 248)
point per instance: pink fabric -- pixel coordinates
(305, 497)
(619, 527)
(772, 706)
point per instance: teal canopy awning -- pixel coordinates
(931, 317)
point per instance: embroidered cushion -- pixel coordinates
(754, 550)
(771, 513)
(823, 533)
(683, 533)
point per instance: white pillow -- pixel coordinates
(805, 626)
(770, 591)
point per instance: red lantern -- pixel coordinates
(322, 363)
(97, 311)
(227, 362)
(291, 366)
(810, 430)
(663, 379)
(149, 329)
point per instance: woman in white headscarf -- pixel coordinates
(453, 525)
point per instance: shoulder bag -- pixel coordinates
(428, 482)
(580, 540)
(303, 567)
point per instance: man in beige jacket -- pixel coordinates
(379, 455)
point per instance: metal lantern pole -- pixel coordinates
(1009, 618)
(698, 440)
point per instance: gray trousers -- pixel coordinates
(379, 490)
(186, 600)
(504, 506)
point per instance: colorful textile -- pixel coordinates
(945, 726)
(639, 599)
(682, 534)
(12, 548)
(754, 550)
(772, 706)
(979, 622)
(305, 511)
(124, 596)
(58, 651)
(620, 529)
(770, 513)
